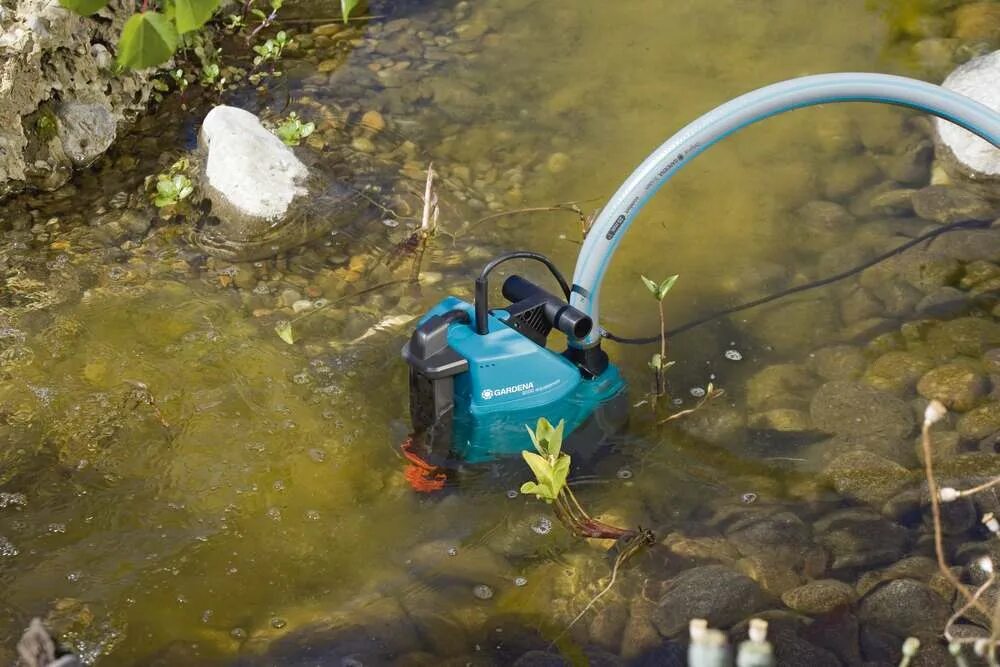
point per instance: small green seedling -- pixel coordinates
(658, 363)
(270, 51)
(172, 186)
(550, 464)
(292, 130)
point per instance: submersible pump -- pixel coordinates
(478, 374)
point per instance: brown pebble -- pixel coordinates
(373, 120)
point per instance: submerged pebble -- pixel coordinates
(482, 591)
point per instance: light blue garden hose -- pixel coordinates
(678, 150)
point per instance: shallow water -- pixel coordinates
(193, 487)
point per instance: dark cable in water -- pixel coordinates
(965, 224)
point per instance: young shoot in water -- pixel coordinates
(551, 467)
(658, 362)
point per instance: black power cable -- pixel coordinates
(965, 224)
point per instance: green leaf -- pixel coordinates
(532, 489)
(346, 6)
(665, 286)
(539, 466)
(148, 39)
(650, 285)
(656, 361)
(192, 14)
(284, 331)
(84, 7)
(560, 471)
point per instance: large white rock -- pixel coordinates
(249, 174)
(963, 154)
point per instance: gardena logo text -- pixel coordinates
(513, 389)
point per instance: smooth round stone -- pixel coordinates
(557, 163)
(819, 597)
(958, 385)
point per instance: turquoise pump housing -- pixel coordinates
(512, 381)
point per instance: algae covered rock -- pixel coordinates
(958, 385)
(819, 597)
(855, 409)
(905, 608)
(867, 477)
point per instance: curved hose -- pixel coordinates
(678, 150)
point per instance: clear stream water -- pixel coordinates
(254, 487)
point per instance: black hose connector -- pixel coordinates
(562, 316)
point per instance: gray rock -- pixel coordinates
(943, 303)
(819, 597)
(780, 538)
(905, 608)
(964, 155)
(970, 245)
(250, 176)
(781, 420)
(946, 204)
(85, 130)
(920, 568)
(912, 165)
(713, 592)
(867, 477)
(857, 538)
(851, 408)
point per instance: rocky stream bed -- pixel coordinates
(142, 385)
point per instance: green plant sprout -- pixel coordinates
(172, 186)
(292, 131)
(551, 468)
(658, 363)
(550, 464)
(270, 50)
(346, 7)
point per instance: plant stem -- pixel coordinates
(932, 488)
(663, 351)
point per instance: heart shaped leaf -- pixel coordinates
(192, 14)
(148, 39)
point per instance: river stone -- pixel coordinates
(970, 336)
(86, 131)
(712, 592)
(905, 608)
(946, 204)
(250, 176)
(965, 156)
(958, 385)
(893, 202)
(852, 408)
(897, 371)
(866, 477)
(838, 362)
(859, 538)
(970, 245)
(920, 568)
(943, 303)
(819, 597)
(780, 386)
(781, 420)
(979, 423)
(781, 538)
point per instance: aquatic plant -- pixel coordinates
(172, 187)
(658, 362)
(271, 49)
(291, 130)
(551, 464)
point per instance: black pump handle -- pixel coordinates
(482, 284)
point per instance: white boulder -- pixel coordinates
(965, 156)
(249, 175)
